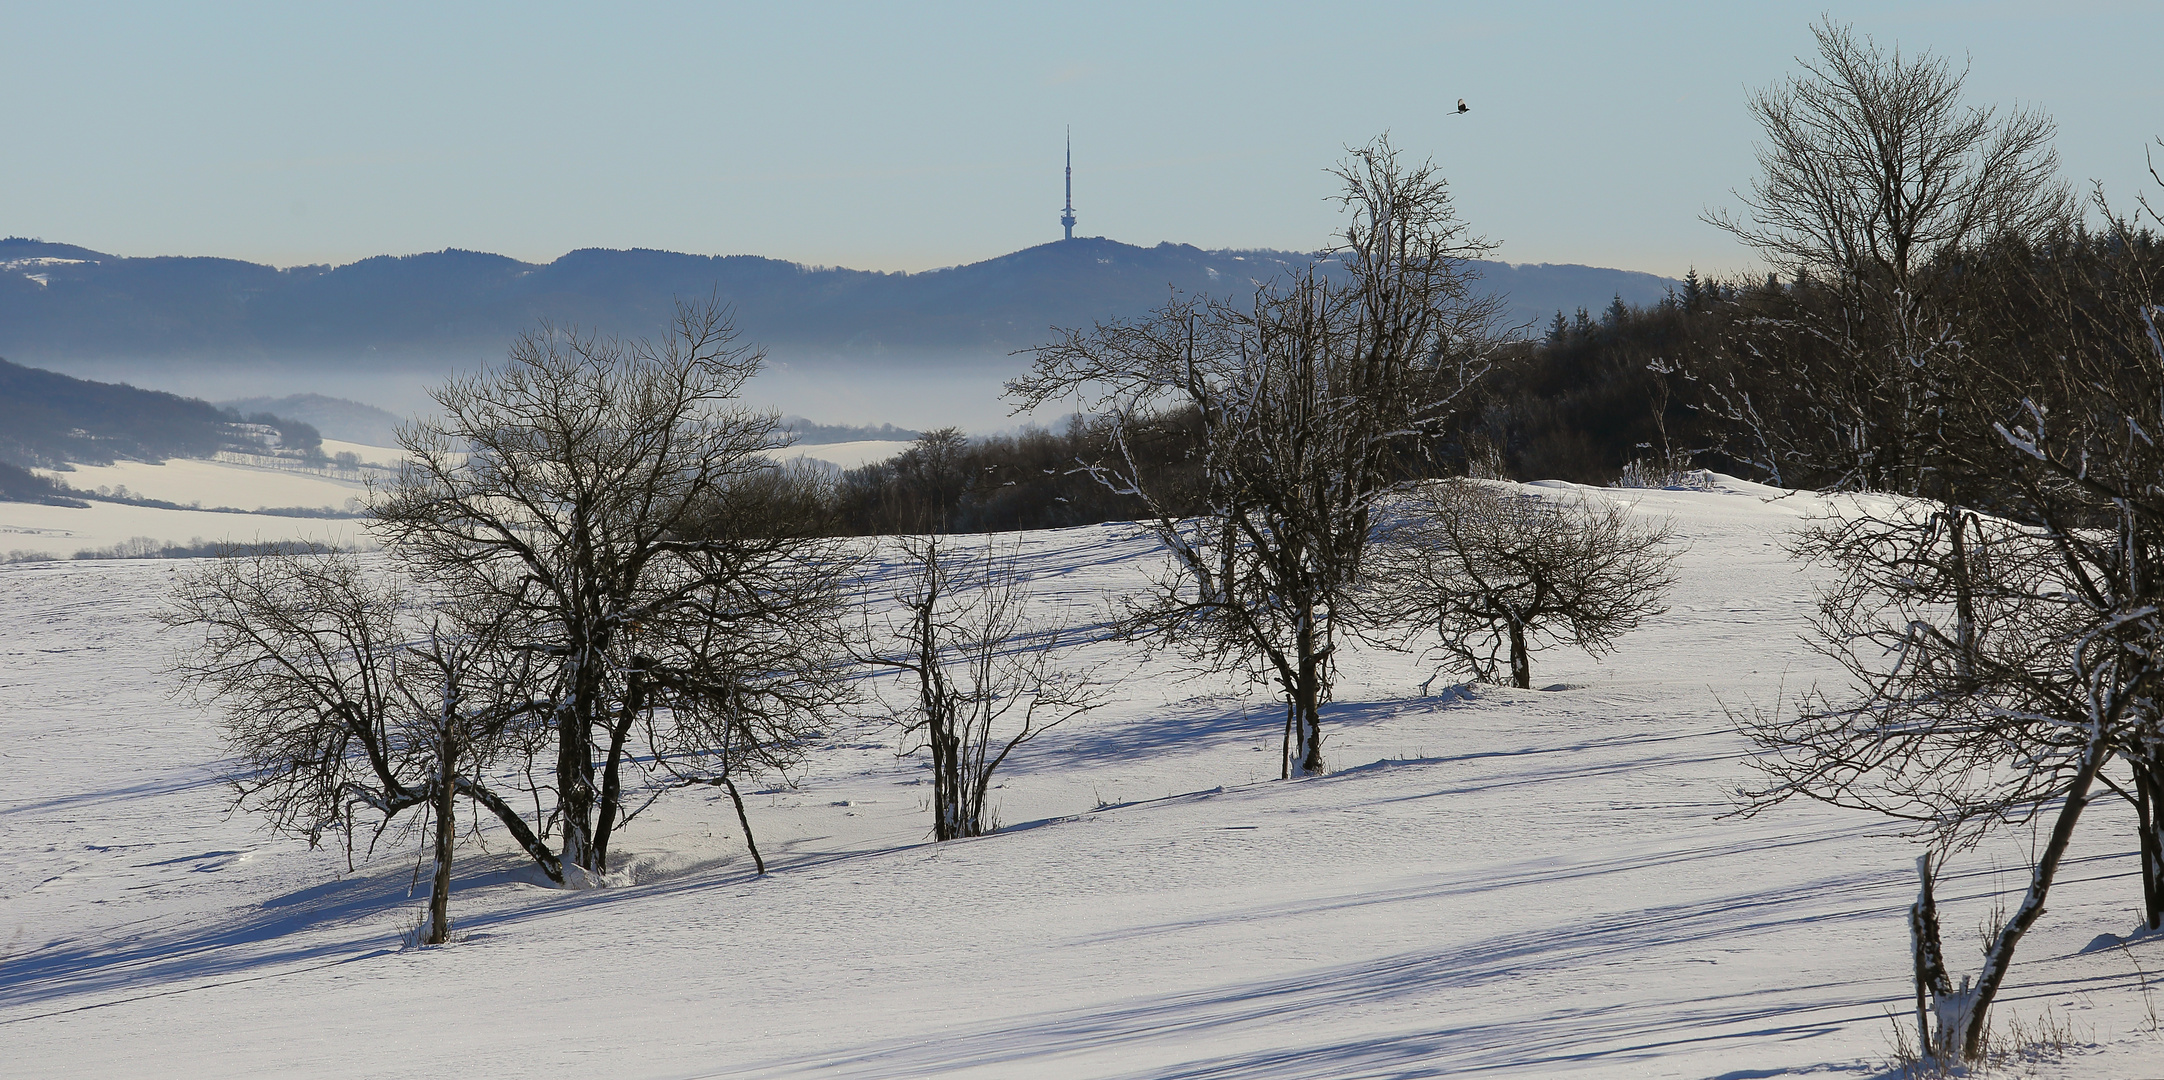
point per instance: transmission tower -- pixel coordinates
(1066, 217)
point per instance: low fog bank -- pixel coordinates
(919, 391)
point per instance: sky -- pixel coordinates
(908, 137)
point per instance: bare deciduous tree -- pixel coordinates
(1499, 575)
(2005, 664)
(569, 488)
(474, 684)
(1998, 670)
(1308, 404)
(1873, 173)
(1873, 164)
(983, 679)
(348, 704)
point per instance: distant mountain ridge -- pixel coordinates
(61, 301)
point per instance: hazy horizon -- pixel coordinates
(783, 257)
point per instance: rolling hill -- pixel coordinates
(63, 302)
(1493, 882)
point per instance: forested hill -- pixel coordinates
(58, 301)
(47, 419)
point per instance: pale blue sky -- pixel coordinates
(892, 136)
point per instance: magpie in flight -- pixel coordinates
(1462, 107)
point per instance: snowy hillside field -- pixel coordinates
(1489, 881)
(30, 530)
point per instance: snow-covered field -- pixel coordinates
(28, 530)
(60, 531)
(846, 455)
(214, 483)
(1494, 882)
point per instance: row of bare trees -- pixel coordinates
(613, 592)
(585, 604)
(598, 586)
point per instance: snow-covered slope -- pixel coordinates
(846, 455)
(232, 482)
(1494, 881)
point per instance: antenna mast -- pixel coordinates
(1066, 217)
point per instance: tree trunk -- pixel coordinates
(575, 763)
(948, 813)
(1964, 1015)
(1521, 664)
(1305, 701)
(439, 893)
(1927, 957)
(549, 862)
(1284, 751)
(612, 785)
(2149, 812)
(743, 820)
(574, 787)
(1964, 589)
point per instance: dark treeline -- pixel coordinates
(947, 483)
(1743, 376)
(1596, 393)
(18, 484)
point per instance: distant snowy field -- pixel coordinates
(1495, 882)
(61, 531)
(846, 455)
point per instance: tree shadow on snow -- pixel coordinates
(1473, 990)
(1199, 722)
(296, 931)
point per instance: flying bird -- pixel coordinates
(1463, 107)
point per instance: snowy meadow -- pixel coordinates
(1486, 881)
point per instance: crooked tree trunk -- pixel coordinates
(1928, 958)
(743, 820)
(1963, 1015)
(612, 784)
(550, 863)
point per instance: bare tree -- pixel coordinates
(1500, 575)
(1998, 669)
(1309, 405)
(984, 679)
(348, 703)
(1873, 174)
(465, 678)
(2004, 664)
(569, 488)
